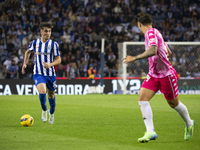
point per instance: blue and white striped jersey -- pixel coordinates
(44, 52)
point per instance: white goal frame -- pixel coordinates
(142, 43)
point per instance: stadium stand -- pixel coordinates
(79, 26)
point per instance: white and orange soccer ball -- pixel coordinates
(27, 120)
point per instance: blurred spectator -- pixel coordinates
(74, 49)
(26, 41)
(79, 28)
(15, 56)
(67, 37)
(197, 71)
(29, 70)
(61, 71)
(10, 45)
(192, 57)
(87, 56)
(72, 71)
(93, 53)
(16, 41)
(183, 58)
(2, 46)
(20, 75)
(82, 73)
(130, 74)
(78, 57)
(91, 72)
(64, 49)
(105, 70)
(12, 70)
(7, 63)
(111, 63)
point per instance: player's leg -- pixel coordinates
(183, 112)
(51, 86)
(169, 87)
(41, 87)
(181, 109)
(42, 95)
(52, 103)
(144, 96)
(147, 91)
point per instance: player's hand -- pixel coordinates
(46, 65)
(128, 59)
(169, 52)
(23, 68)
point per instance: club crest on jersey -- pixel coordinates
(49, 47)
(152, 40)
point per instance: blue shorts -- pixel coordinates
(50, 81)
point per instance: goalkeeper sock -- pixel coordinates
(183, 112)
(147, 115)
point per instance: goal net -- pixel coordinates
(185, 58)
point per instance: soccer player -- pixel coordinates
(162, 76)
(47, 55)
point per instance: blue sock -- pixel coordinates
(42, 98)
(52, 103)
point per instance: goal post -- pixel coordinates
(124, 51)
(130, 71)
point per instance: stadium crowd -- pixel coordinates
(79, 26)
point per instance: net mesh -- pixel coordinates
(185, 59)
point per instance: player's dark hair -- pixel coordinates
(45, 24)
(144, 18)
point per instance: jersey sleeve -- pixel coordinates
(152, 38)
(167, 54)
(166, 45)
(31, 47)
(56, 49)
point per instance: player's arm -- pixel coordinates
(26, 57)
(148, 53)
(169, 51)
(55, 62)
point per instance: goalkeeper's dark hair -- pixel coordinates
(144, 18)
(45, 24)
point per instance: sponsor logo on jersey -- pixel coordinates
(42, 53)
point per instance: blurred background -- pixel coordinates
(79, 26)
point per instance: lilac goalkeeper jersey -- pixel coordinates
(159, 66)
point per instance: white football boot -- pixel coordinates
(44, 115)
(51, 118)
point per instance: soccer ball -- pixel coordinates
(27, 120)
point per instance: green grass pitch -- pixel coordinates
(95, 122)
